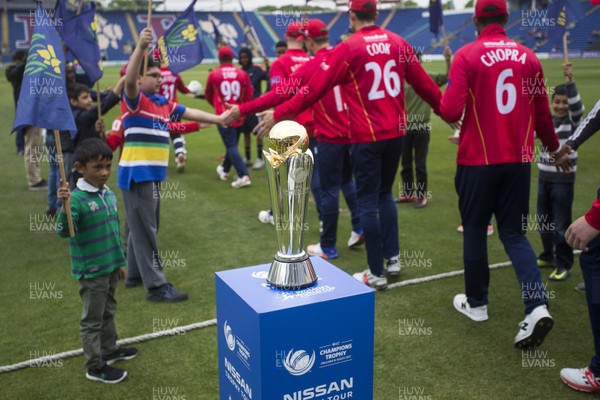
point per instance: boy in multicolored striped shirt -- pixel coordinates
(143, 166)
(97, 259)
(556, 188)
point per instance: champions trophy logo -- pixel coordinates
(289, 171)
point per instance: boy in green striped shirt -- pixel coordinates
(97, 259)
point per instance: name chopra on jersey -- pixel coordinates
(493, 56)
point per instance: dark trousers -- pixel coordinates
(315, 182)
(375, 165)
(590, 267)
(502, 190)
(417, 142)
(232, 154)
(335, 173)
(20, 141)
(554, 204)
(97, 326)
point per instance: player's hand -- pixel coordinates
(568, 72)
(233, 114)
(191, 95)
(145, 38)
(580, 233)
(456, 125)
(264, 127)
(203, 125)
(562, 162)
(63, 193)
(122, 274)
(223, 118)
(453, 139)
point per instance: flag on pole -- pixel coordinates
(43, 101)
(180, 46)
(218, 38)
(557, 13)
(67, 9)
(250, 32)
(80, 37)
(436, 16)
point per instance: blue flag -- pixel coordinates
(79, 35)
(67, 9)
(180, 46)
(436, 16)
(43, 101)
(557, 13)
(218, 39)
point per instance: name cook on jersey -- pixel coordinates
(503, 53)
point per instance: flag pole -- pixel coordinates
(61, 165)
(444, 37)
(148, 25)
(565, 48)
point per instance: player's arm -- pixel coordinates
(454, 99)
(135, 63)
(585, 228)
(589, 126)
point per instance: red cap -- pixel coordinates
(314, 28)
(362, 5)
(490, 8)
(225, 52)
(294, 30)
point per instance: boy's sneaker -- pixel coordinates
(222, 174)
(41, 185)
(580, 379)
(356, 239)
(374, 281)
(475, 313)
(166, 293)
(124, 353)
(460, 229)
(180, 162)
(490, 230)
(544, 264)
(259, 164)
(328, 253)
(559, 274)
(392, 266)
(534, 328)
(106, 374)
(241, 182)
(266, 217)
(406, 199)
(580, 287)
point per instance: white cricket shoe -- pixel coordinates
(534, 328)
(580, 379)
(221, 172)
(241, 182)
(356, 239)
(475, 313)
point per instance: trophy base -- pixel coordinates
(292, 273)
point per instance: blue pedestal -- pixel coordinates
(315, 343)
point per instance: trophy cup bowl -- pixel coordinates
(289, 171)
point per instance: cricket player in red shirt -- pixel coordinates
(231, 85)
(370, 68)
(499, 85)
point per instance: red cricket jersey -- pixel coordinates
(593, 215)
(170, 84)
(228, 84)
(371, 67)
(500, 86)
(281, 85)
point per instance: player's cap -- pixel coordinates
(490, 8)
(225, 52)
(362, 5)
(315, 28)
(294, 30)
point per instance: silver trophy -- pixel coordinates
(289, 171)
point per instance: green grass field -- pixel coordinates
(206, 227)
